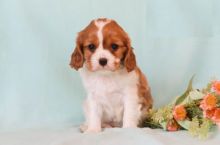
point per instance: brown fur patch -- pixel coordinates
(144, 92)
(85, 37)
(130, 60)
(114, 34)
(77, 58)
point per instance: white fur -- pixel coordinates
(112, 99)
(112, 95)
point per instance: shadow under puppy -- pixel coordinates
(118, 94)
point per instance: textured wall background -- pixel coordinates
(173, 39)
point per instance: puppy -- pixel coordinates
(118, 94)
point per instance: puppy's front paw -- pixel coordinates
(83, 128)
(93, 130)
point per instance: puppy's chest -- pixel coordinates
(107, 84)
(108, 93)
(108, 88)
(104, 85)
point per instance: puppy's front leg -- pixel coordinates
(131, 108)
(93, 113)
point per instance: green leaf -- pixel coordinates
(192, 96)
(151, 124)
(186, 93)
(204, 128)
(164, 125)
(194, 126)
(200, 127)
(184, 124)
(196, 95)
(194, 111)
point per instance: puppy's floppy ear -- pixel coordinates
(77, 59)
(130, 60)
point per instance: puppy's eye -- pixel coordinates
(114, 47)
(91, 47)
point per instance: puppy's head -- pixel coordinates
(103, 46)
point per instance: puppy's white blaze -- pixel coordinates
(101, 52)
(100, 25)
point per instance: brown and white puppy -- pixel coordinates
(117, 91)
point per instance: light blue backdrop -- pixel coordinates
(173, 39)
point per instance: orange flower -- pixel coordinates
(208, 102)
(179, 112)
(172, 125)
(216, 116)
(209, 113)
(216, 86)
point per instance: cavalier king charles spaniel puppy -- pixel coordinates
(118, 94)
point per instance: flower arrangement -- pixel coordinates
(197, 111)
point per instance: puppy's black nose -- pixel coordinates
(103, 61)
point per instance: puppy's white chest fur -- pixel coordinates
(107, 90)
